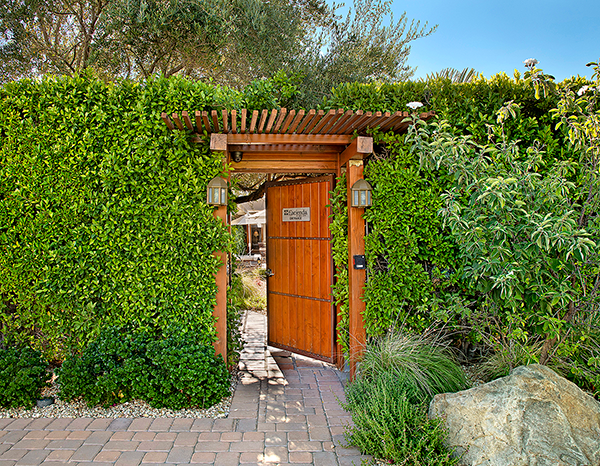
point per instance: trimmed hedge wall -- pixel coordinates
(414, 266)
(103, 218)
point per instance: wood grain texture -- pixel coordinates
(356, 278)
(220, 308)
(299, 303)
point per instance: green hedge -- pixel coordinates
(414, 265)
(103, 219)
(23, 374)
(176, 370)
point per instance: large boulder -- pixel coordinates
(532, 417)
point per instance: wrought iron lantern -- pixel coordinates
(361, 194)
(217, 191)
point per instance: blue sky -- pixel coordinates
(497, 36)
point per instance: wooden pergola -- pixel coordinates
(282, 141)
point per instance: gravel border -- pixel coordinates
(131, 409)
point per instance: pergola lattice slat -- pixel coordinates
(288, 122)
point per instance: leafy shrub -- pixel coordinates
(398, 376)
(185, 373)
(22, 376)
(390, 422)
(500, 362)
(112, 369)
(174, 371)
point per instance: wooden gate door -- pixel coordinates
(300, 309)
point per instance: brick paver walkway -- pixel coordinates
(286, 414)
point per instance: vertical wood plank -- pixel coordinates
(356, 278)
(220, 308)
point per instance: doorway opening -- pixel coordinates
(286, 265)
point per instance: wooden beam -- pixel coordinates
(198, 118)
(225, 114)
(218, 142)
(253, 121)
(340, 122)
(288, 148)
(296, 122)
(335, 139)
(263, 119)
(324, 121)
(356, 277)
(187, 120)
(244, 113)
(177, 121)
(348, 123)
(313, 122)
(271, 120)
(285, 166)
(234, 121)
(282, 114)
(357, 149)
(215, 121)
(167, 121)
(205, 121)
(288, 121)
(287, 155)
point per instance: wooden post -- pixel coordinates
(220, 309)
(356, 278)
(218, 142)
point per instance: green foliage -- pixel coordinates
(423, 361)
(235, 342)
(391, 423)
(470, 108)
(23, 374)
(248, 289)
(398, 376)
(527, 230)
(177, 370)
(339, 253)
(103, 217)
(420, 271)
(410, 258)
(504, 359)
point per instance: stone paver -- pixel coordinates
(285, 411)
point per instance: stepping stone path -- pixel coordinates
(285, 411)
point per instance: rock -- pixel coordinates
(532, 417)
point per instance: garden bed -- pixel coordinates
(131, 409)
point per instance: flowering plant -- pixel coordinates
(414, 105)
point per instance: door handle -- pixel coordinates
(269, 273)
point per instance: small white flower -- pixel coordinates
(414, 105)
(583, 90)
(530, 62)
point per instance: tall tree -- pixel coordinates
(231, 41)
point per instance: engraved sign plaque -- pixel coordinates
(296, 214)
